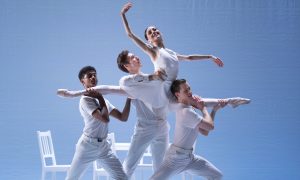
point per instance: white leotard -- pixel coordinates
(167, 61)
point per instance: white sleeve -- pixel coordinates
(191, 118)
(172, 53)
(109, 106)
(89, 105)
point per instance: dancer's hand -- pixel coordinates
(158, 75)
(197, 102)
(161, 74)
(92, 93)
(64, 93)
(126, 7)
(218, 61)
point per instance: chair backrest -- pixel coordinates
(46, 148)
(111, 140)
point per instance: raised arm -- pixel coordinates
(193, 57)
(103, 89)
(207, 123)
(222, 103)
(122, 116)
(140, 43)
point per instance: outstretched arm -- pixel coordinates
(149, 50)
(103, 89)
(193, 57)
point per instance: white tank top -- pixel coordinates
(167, 61)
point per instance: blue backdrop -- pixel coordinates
(43, 44)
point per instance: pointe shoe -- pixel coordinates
(236, 101)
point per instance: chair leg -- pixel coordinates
(94, 176)
(183, 175)
(142, 174)
(43, 175)
(133, 176)
(53, 175)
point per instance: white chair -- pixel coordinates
(146, 162)
(97, 169)
(48, 155)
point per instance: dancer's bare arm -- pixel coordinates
(122, 116)
(140, 43)
(194, 57)
(221, 104)
(206, 123)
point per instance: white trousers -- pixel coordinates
(178, 160)
(157, 136)
(87, 152)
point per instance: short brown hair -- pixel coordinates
(122, 60)
(175, 87)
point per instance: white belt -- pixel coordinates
(92, 140)
(181, 150)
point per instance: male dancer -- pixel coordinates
(92, 145)
(179, 156)
(151, 128)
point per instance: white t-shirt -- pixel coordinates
(186, 130)
(147, 115)
(93, 127)
(139, 87)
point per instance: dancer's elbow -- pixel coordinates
(124, 118)
(206, 125)
(130, 35)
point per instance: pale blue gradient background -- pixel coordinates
(43, 44)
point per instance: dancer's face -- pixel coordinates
(185, 94)
(134, 64)
(153, 34)
(89, 79)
